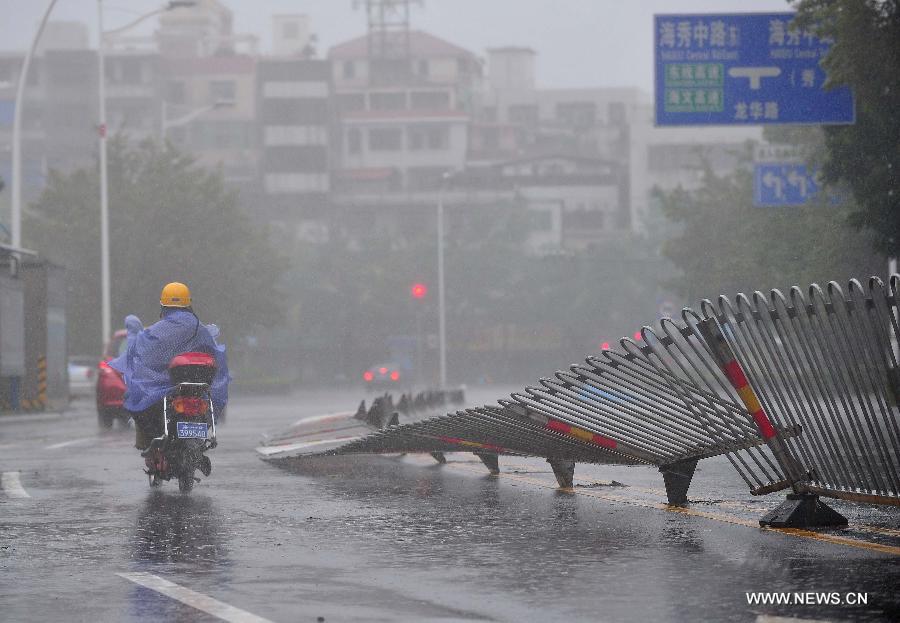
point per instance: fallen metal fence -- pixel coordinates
(321, 433)
(825, 362)
(798, 392)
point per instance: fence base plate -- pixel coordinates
(803, 510)
(677, 477)
(490, 461)
(564, 472)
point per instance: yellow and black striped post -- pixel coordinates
(727, 360)
(39, 402)
(42, 383)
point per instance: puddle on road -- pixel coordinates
(175, 528)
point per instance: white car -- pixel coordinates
(82, 375)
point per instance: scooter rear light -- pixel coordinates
(190, 406)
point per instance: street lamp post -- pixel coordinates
(442, 316)
(104, 192)
(101, 130)
(442, 319)
(16, 207)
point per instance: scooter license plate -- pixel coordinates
(191, 430)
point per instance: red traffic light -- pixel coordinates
(418, 290)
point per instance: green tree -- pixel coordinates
(353, 294)
(865, 156)
(723, 243)
(170, 220)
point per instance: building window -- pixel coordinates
(222, 90)
(416, 139)
(395, 100)
(526, 114)
(438, 138)
(424, 178)
(617, 113)
(354, 141)
(431, 138)
(422, 67)
(577, 114)
(221, 134)
(175, 92)
(385, 139)
(430, 100)
(583, 220)
(350, 102)
(540, 220)
(349, 68)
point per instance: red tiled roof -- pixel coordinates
(421, 44)
(237, 64)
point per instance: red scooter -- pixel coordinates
(189, 423)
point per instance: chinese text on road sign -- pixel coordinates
(742, 69)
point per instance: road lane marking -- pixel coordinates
(71, 442)
(195, 600)
(765, 618)
(12, 486)
(721, 517)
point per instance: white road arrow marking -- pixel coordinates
(193, 599)
(12, 486)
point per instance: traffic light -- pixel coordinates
(418, 290)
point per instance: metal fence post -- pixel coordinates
(802, 508)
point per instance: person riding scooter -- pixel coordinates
(144, 365)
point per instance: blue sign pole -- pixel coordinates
(742, 69)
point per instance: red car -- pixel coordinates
(385, 375)
(110, 384)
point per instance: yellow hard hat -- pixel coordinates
(175, 294)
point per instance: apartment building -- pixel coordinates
(209, 103)
(402, 129)
(294, 136)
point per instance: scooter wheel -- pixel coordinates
(186, 482)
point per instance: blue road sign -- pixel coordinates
(742, 69)
(782, 184)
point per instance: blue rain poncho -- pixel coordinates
(145, 363)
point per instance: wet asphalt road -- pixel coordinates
(399, 538)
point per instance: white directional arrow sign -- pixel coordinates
(774, 181)
(754, 74)
(798, 181)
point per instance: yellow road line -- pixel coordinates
(796, 532)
